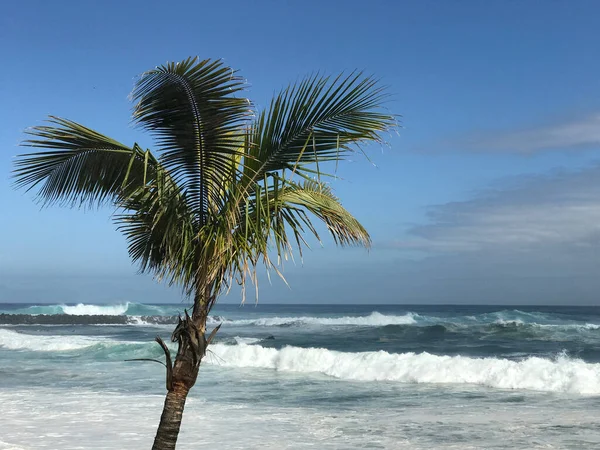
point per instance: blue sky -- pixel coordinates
(485, 196)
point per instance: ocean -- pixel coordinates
(306, 377)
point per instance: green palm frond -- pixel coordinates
(316, 120)
(80, 165)
(318, 199)
(192, 109)
(276, 219)
(159, 229)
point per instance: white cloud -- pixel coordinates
(561, 210)
(582, 133)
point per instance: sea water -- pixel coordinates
(306, 377)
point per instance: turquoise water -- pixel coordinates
(306, 376)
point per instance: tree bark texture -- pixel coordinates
(180, 379)
(170, 420)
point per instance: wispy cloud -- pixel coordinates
(574, 134)
(558, 210)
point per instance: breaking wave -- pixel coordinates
(82, 309)
(95, 310)
(115, 314)
(561, 374)
(13, 340)
(374, 319)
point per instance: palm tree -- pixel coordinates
(229, 188)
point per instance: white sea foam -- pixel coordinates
(551, 326)
(215, 320)
(51, 417)
(374, 319)
(558, 375)
(14, 340)
(82, 309)
(516, 322)
(137, 320)
(567, 326)
(246, 340)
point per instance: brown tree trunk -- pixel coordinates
(180, 379)
(170, 420)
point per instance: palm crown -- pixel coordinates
(228, 187)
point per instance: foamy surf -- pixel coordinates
(326, 377)
(375, 319)
(13, 340)
(82, 309)
(115, 309)
(562, 374)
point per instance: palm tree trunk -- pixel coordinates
(170, 420)
(180, 379)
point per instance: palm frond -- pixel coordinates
(79, 165)
(318, 199)
(159, 229)
(316, 120)
(275, 220)
(192, 109)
